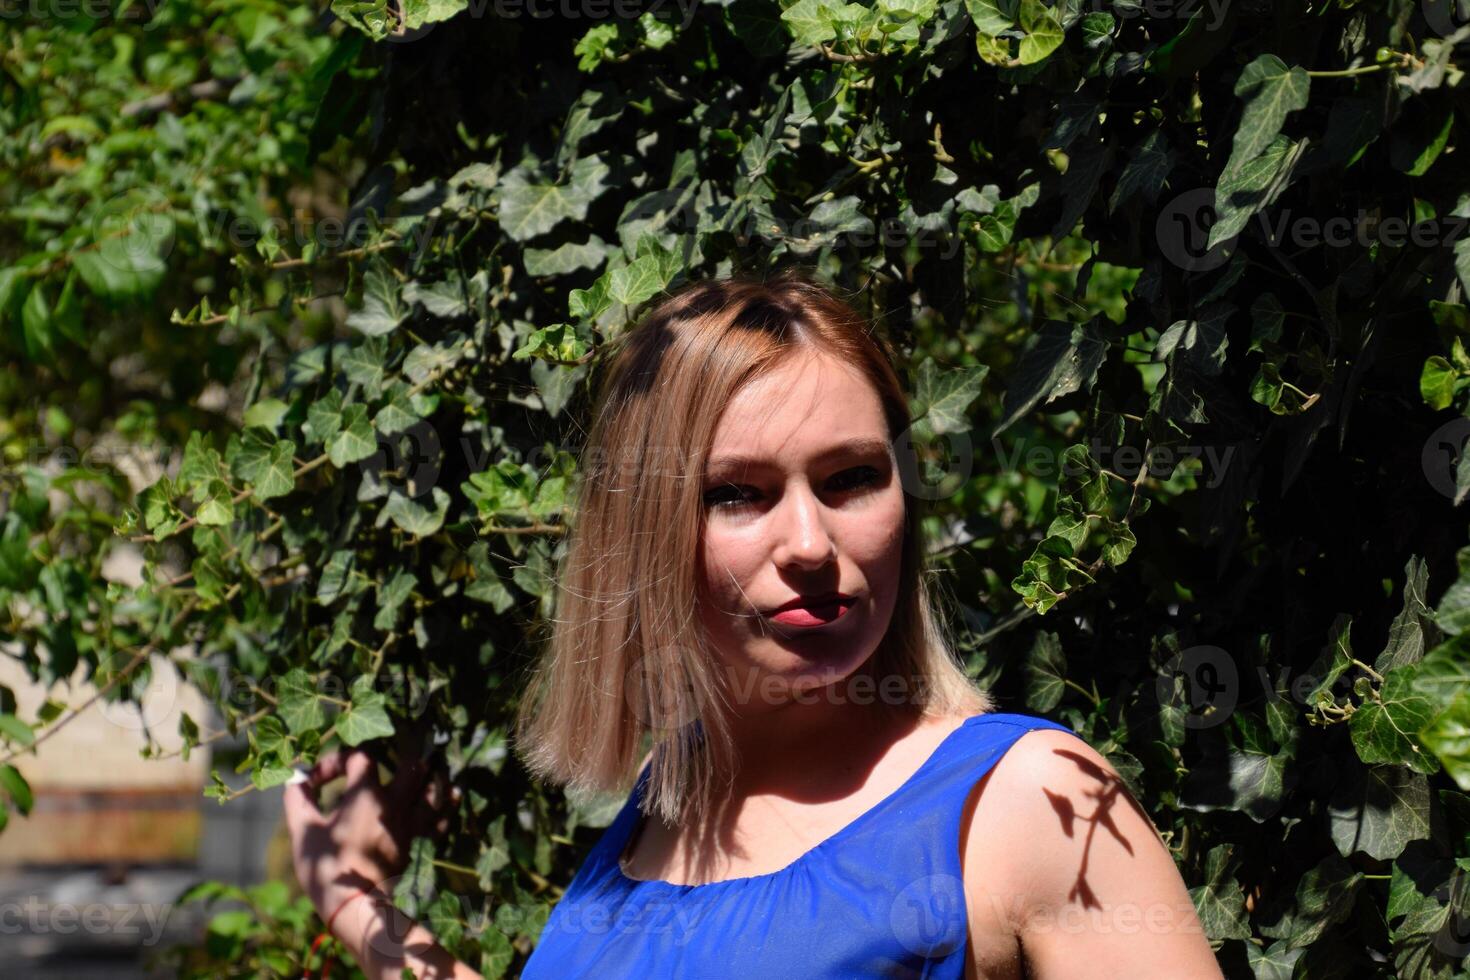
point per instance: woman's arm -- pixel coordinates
(384, 942)
(1060, 857)
(348, 859)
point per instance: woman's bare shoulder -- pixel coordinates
(1058, 759)
(1064, 859)
(1044, 792)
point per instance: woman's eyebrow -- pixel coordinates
(851, 447)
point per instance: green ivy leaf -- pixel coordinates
(382, 307)
(266, 413)
(1043, 35)
(529, 208)
(216, 503)
(391, 595)
(201, 463)
(1062, 358)
(558, 343)
(367, 718)
(1437, 382)
(496, 954)
(416, 886)
(414, 517)
(941, 399)
(1220, 901)
(14, 785)
(266, 463)
(1247, 186)
(1379, 811)
(1049, 574)
(1324, 897)
(299, 703)
(442, 299)
(1274, 962)
(16, 731)
(1271, 90)
(1384, 727)
(566, 258)
(1046, 672)
(338, 577)
(397, 414)
(266, 774)
(487, 586)
(324, 417)
(811, 21)
(992, 17)
(1447, 735)
(354, 441)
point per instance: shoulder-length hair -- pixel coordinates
(626, 668)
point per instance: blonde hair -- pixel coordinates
(626, 664)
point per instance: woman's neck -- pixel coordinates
(813, 747)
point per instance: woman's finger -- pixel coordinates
(329, 767)
(361, 769)
(436, 793)
(440, 798)
(302, 811)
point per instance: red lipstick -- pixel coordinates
(813, 610)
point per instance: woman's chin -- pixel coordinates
(778, 674)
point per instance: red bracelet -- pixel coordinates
(323, 937)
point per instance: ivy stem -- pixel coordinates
(132, 665)
(1349, 72)
(240, 497)
(216, 736)
(841, 58)
(1368, 670)
(1082, 690)
(351, 253)
(451, 866)
(1020, 615)
(528, 529)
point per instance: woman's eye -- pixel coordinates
(727, 495)
(858, 476)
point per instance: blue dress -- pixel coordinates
(882, 897)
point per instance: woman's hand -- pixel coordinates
(360, 847)
(362, 844)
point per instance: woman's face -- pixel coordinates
(802, 502)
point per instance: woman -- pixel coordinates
(827, 795)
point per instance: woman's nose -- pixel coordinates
(804, 538)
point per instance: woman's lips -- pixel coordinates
(819, 614)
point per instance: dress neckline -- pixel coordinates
(849, 828)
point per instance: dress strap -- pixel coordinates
(913, 845)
